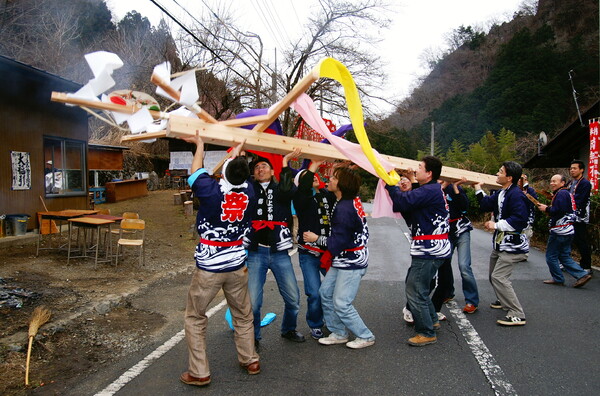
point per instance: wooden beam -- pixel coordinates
(288, 99)
(144, 136)
(222, 135)
(236, 122)
(200, 112)
(61, 97)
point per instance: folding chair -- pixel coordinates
(135, 230)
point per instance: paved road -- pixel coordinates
(556, 353)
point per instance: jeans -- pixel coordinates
(445, 285)
(559, 251)
(338, 290)
(311, 271)
(418, 279)
(462, 244)
(259, 262)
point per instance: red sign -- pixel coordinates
(307, 133)
(594, 149)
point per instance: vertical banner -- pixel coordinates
(594, 148)
(21, 170)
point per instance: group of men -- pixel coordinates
(244, 231)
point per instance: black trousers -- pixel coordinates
(583, 245)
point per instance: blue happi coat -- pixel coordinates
(562, 213)
(222, 222)
(349, 235)
(513, 209)
(458, 205)
(428, 221)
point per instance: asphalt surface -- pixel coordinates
(556, 353)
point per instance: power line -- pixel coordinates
(188, 31)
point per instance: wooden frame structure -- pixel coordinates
(227, 133)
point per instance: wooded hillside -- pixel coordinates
(514, 77)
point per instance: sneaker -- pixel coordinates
(470, 308)
(316, 333)
(333, 339)
(420, 340)
(359, 343)
(437, 326)
(496, 305)
(562, 267)
(293, 335)
(408, 318)
(511, 321)
(441, 316)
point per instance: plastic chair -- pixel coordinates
(129, 226)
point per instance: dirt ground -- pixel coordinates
(91, 322)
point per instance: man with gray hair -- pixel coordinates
(558, 250)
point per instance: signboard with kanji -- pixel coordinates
(594, 149)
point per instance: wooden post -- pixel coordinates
(188, 208)
(177, 199)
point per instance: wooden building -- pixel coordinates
(44, 144)
(571, 143)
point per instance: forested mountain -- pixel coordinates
(515, 77)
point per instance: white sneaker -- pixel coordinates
(408, 318)
(441, 316)
(359, 343)
(333, 339)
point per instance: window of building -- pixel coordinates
(64, 161)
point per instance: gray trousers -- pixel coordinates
(501, 266)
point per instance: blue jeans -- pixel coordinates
(338, 290)
(418, 280)
(259, 262)
(559, 251)
(311, 271)
(462, 244)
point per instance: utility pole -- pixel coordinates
(432, 135)
(274, 82)
(575, 97)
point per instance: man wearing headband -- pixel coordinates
(268, 244)
(222, 222)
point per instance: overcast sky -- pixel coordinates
(417, 25)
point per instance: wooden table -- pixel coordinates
(93, 223)
(59, 216)
(126, 189)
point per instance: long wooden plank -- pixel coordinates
(144, 136)
(227, 136)
(61, 97)
(288, 99)
(223, 135)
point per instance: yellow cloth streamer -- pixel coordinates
(331, 68)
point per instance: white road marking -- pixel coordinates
(488, 364)
(148, 360)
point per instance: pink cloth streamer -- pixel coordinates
(382, 203)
